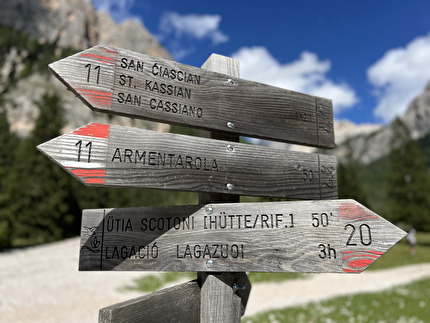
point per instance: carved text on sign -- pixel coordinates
(310, 236)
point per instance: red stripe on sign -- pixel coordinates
(102, 97)
(367, 251)
(103, 59)
(349, 270)
(99, 101)
(361, 255)
(357, 261)
(90, 176)
(95, 181)
(96, 130)
(351, 212)
(108, 94)
(110, 51)
(88, 172)
(97, 97)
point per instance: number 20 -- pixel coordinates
(362, 229)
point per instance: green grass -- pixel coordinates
(152, 283)
(400, 254)
(408, 303)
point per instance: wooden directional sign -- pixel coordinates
(100, 154)
(336, 236)
(180, 303)
(123, 82)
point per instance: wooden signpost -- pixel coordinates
(100, 154)
(335, 236)
(220, 238)
(119, 81)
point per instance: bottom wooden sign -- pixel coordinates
(339, 236)
(180, 303)
(183, 303)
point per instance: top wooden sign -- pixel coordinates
(123, 82)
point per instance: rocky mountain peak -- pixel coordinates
(417, 115)
(368, 146)
(76, 24)
(67, 24)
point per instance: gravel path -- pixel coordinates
(42, 284)
(319, 287)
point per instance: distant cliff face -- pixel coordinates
(370, 146)
(417, 116)
(65, 24)
(76, 24)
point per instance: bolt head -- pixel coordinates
(209, 263)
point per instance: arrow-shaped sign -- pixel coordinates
(123, 82)
(100, 154)
(179, 303)
(336, 236)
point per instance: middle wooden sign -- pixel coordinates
(101, 154)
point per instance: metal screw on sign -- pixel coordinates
(230, 148)
(209, 210)
(236, 287)
(209, 263)
(230, 186)
(230, 125)
(231, 81)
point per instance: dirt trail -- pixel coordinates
(43, 284)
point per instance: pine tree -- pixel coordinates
(40, 203)
(349, 181)
(9, 142)
(409, 181)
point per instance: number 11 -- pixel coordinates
(89, 145)
(97, 68)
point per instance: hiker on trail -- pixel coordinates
(412, 240)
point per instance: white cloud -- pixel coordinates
(193, 25)
(306, 74)
(119, 10)
(399, 76)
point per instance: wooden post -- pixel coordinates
(218, 300)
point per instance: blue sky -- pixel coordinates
(370, 57)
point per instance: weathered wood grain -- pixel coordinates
(338, 236)
(130, 157)
(228, 66)
(219, 303)
(178, 304)
(123, 82)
